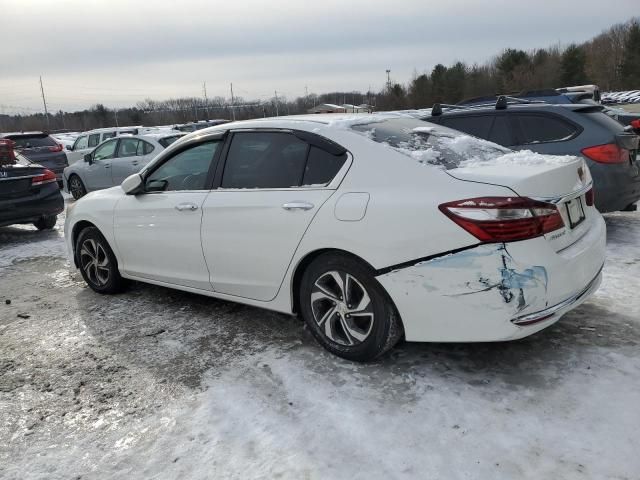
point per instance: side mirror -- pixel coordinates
(132, 184)
(70, 148)
(88, 158)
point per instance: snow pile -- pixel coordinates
(522, 157)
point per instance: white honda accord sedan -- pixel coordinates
(372, 228)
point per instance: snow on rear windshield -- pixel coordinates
(431, 145)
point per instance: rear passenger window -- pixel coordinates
(500, 132)
(476, 125)
(108, 135)
(264, 160)
(128, 147)
(94, 140)
(144, 148)
(540, 129)
(322, 166)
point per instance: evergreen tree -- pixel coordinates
(572, 66)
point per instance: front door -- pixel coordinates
(158, 232)
(98, 174)
(253, 223)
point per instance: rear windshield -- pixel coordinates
(427, 144)
(27, 141)
(166, 141)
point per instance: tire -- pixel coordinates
(347, 310)
(76, 187)
(46, 223)
(98, 264)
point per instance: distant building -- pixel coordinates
(346, 108)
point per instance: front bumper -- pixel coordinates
(477, 295)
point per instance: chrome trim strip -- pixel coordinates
(547, 312)
(564, 198)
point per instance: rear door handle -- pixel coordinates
(298, 206)
(186, 206)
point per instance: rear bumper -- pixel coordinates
(477, 295)
(48, 201)
(615, 186)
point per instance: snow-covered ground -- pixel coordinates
(157, 383)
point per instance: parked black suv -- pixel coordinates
(28, 191)
(558, 129)
(40, 148)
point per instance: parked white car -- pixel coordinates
(113, 161)
(372, 228)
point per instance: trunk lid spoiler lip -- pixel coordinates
(564, 198)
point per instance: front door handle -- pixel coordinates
(186, 206)
(298, 206)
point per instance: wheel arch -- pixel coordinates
(305, 261)
(75, 233)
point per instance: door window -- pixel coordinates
(265, 160)
(322, 166)
(187, 170)
(500, 132)
(144, 148)
(128, 147)
(543, 128)
(476, 125)
(106, 150)
(94, 140)
(108, 135)
(81, 143)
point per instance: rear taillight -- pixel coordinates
(504, 219)
(47, 177)
(7, 154)
(590, 197)
(57, 148)
(608, 153)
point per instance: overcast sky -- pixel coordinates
(119, 52)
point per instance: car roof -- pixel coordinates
(18, 134)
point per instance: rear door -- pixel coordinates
(272, 185)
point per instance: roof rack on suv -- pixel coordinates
(500, 104)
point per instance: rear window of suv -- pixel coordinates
(428, 144)
(33, 141)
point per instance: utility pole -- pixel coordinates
(388, 80)
(44, 101)
(206, 100)
(276, 93)
(306, 96)
(115, 112)
(233, 112)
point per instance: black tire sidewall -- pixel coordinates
(83, 191)
(46, 223)
(384, 311)
(115, 283)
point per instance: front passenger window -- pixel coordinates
(105, 151)
(187, 170)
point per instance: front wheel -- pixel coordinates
(76, 187)
(98, 264)
(347, 310)
(46, 223)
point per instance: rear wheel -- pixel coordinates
(347, 310)
(98, 264)
(46, 223)
(76, 187)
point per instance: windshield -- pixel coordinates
(427, 144)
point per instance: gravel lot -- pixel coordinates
(156, 383)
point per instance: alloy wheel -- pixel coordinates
(95, 262)
(76, 187)
(342, 308)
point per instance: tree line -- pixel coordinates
(610, 60)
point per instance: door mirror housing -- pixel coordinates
(88, 158)
(132, 184)
(70, 148)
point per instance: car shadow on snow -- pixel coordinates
(183, 337)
